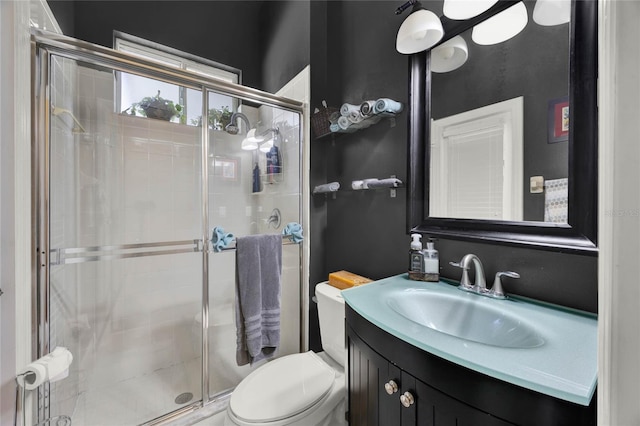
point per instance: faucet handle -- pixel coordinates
(465, 282)
(497, 291)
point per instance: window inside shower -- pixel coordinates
(132, 88)
(132, 202)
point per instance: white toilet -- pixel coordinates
(301, 389)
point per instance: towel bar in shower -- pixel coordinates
(284, 243)
(63, 256)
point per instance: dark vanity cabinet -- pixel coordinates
(394, 383)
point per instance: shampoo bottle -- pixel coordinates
(431, 263)
(416, 259)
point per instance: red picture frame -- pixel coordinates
(558, 120)
(225, 168)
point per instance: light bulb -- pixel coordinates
(419, 35)
(420, 31)
(249, 145)
(450, 55)
(465, 9)
(266, 146)
(447, 52)
(501, 27)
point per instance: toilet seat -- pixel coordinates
(282, 388)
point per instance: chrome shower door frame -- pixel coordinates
(46, 45)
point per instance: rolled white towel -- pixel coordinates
(384, 183)
(334, 127)
(367, 182)
(346, 125)
(357, 184)
(367, 108)
(346, 109)
(387, 106)
(355, 117)
(327, 187)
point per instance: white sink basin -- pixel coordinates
(464, 318)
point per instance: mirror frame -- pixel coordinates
(579, 235)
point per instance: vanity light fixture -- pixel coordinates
(252, 141)
(420, 31)
(465, 9)
(552, 12)
(501, 27)
(255, 141)
(450, 55)
(269, 143)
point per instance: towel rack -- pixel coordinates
(284, 243)
(220, 240)
(392, 183)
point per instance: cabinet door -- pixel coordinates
(437, 409)
(369, 402)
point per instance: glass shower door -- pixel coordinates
(254, 187)
(126, 265)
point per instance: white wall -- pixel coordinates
(619, 214)
(15, 244)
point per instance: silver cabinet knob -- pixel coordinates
(407, 399)
(391, 387)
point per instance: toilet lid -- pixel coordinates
(282, 388)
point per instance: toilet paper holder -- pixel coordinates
(49, 368)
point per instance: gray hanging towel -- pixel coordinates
(258, 273)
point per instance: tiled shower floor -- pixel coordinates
(140, 399)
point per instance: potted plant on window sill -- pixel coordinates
(155, 107)
(218, 118)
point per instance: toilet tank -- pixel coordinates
(331, 318)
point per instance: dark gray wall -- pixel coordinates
(322, 87)
(353, 59)
(285, 44)
(267, 40)
(517, 67)
(366, 224)
(223, 31)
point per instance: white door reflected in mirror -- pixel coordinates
(476, 163)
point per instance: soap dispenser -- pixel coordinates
(431, 262)
(416, 259)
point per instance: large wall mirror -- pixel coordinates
(503, 148)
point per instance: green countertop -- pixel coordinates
(563, 366)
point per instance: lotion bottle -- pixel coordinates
(416, 259)
(431, 263)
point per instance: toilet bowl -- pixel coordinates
(301, 389)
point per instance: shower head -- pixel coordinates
(55, 111)
(232, 128)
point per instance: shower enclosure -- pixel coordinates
(123, 210)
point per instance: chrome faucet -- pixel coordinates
(480, 286)
(465, 283)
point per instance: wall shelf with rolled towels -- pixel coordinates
(391, 183)
(353, 117)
